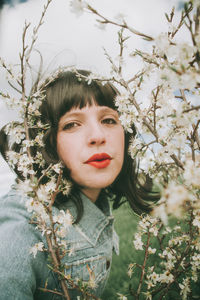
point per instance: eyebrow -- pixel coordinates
(79, 113)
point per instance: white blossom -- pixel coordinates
(61, 232)
(57, 167)
(39, 140)
(25, 186)
(50, 186)
(195, 262)
(178, 240)
(120, 17)
(195, 3)
(180, 54)
(127, 122)
(148, 295)
(42, 194)
(153, 277)
(160, 212)
(63, 218)
(34, 206)
(185, 288)
(12, 157)
(26, 144)
(67, 185)
(25, 164)
(121, 101)
(166, 277)
(121, 297)
(77, 7)
(144, 224)
(138, 244)
(196, 221)
(154, 230)
(162, 43)
(16, 133)
(37, 247)
(33, 108)
(175, 196)
(130, 270)
(192, 174)
(135, 146)
(151, 250)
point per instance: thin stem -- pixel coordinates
(183, 95)
(51, 291)
(182, 20)
(192, 108)
(14, 87)
(36, 29)
(195, 135)
(124, 25)
(44, 173)
(121, 41)
(143, 266)
(155, 96)
(54, 251)
(56, 265)
(75, 286)
(136, 76)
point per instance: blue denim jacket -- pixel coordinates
(21, 275)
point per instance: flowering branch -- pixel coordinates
(75, 286)
(57, 263)
(167, 119)
(143, 266)
(36, 29)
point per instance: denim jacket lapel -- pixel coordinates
(93, 221)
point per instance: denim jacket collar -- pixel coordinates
(93, 220)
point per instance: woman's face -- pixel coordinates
(90, 142)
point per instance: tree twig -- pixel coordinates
(124, 25)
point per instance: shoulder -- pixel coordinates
(14, 216)
(16, 232)
(12, 205)
(17, 236)
(19, 270)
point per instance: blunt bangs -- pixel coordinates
(68, 92)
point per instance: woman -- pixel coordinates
(85, 134)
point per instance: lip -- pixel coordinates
(99, 160)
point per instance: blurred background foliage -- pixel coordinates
(125, 226)
(126, 222)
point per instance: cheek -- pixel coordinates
(121, 144)
(59, 145)
(63, 148)
(68, 151)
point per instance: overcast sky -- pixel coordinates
(65, 39)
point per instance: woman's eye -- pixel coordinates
(70, 125)
(109, 121)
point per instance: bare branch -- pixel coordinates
(124, 25)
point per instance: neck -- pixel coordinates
(92, 194)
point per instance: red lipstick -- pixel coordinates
(99, 160)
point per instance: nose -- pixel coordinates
(96, 135)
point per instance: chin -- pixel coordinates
(96, 182)
(102, 185)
